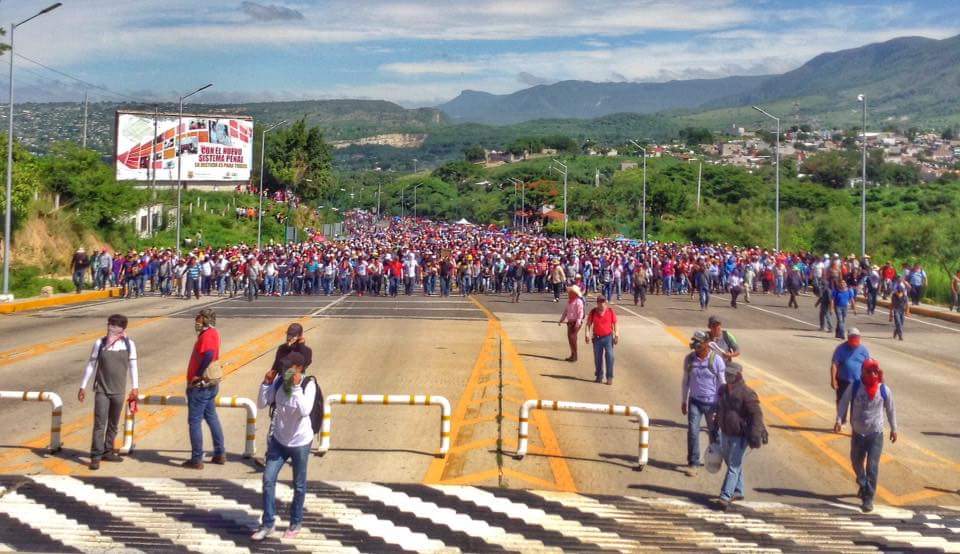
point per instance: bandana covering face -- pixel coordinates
(871, 380)
(288, 381)
(114, 333)
(854, 341)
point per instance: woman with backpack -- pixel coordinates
(294, 397)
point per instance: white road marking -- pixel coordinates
(447, 517)
(137, 514)
(328, 306)
(57, 526)
(955, 330)
(785, 316)
(645, 318)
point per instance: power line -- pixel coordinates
(79, 80)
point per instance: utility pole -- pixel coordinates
(699, 178)
(564, 173)
(152, 171)
(85, 107)
(863, 184)
(178, 134)
(777, 223)
(643, 216)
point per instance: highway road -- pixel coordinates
(470, 350)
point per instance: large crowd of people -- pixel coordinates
(418, 256)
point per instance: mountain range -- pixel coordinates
(909, 78)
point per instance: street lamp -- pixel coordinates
(564, 173)
(863, 183)
(523, 200)
(263, 148)
(179, 134)
(777, 223)
(8, 215)
(415, 199)
(643, 217)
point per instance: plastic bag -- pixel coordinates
(712, 458)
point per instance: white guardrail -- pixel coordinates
(249, 448)
(609, 409)
(56, 414)
(391, 400)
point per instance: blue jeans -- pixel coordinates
(733, 450)
(394, 285)
(200, 407)
(667, 284)
(704, 297)
(696, 411)
(268, 283)
(277, 455)
(603, 350)
(866, 448)
(841, 313)
(78, 279)
(444, 286)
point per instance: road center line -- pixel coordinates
(328, 306)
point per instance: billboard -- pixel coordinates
(212, 147)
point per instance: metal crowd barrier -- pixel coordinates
(389, 399)
(56, 414)
(611, 409)
(249, 448)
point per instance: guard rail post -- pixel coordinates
(56, 413)
(387, 399)
(610, 409)
(250, 435)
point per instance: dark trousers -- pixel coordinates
(639, 295)
(573, 330)
(793, 298)
(106, 417)
(865, 451)
(841, 388)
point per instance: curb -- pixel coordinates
(57, 300)
(920, 310)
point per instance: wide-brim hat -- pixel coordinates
(575, 290)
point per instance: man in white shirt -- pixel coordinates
(113, 357)
(291, 435)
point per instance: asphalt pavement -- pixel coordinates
(486, 355)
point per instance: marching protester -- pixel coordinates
(723, 339)
(843, 298)
(602, 326)
(78, 265)
(740, 419)
(573, 317)
(825, 303)
(113, 358)
(899, 309)
(847, 361)
(295, 342)
(868, 401)
(203, 385)
(699, 393)
(294, 398)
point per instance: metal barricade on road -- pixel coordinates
(388, 399)
(56, 414)
(250, 437)
(610, 409)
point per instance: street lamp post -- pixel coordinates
(522, 187)
(179, 134)
(401, 201)
(777, 223)
(643, 216)
(8, 215)
(863, 183)
(564, 173)
(415, 200)
(263, 149)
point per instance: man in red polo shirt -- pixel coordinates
(602, 326)
(202, 391)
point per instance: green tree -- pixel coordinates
(947, 134)
(832, 169)
(475, 153)
(696, 135)
(26, 179)
(298, 158)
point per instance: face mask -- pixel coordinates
(114, 331)
(854, 341)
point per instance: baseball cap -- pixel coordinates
(733, 368)
(853, 332)
(698, 337)
(294, 330)
(713, 320)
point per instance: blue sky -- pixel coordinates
(420, 52)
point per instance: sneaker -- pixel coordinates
(736, 498)
(867, 506)
(192, 464)
(262, 533)
(112, 457)
(291, 532)
(94, 464)
(219, 460)
(692, 470)
(722, 504)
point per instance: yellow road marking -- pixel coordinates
(232, 361)
(22, 353)
(441, 470)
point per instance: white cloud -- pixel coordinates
(438, 67)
